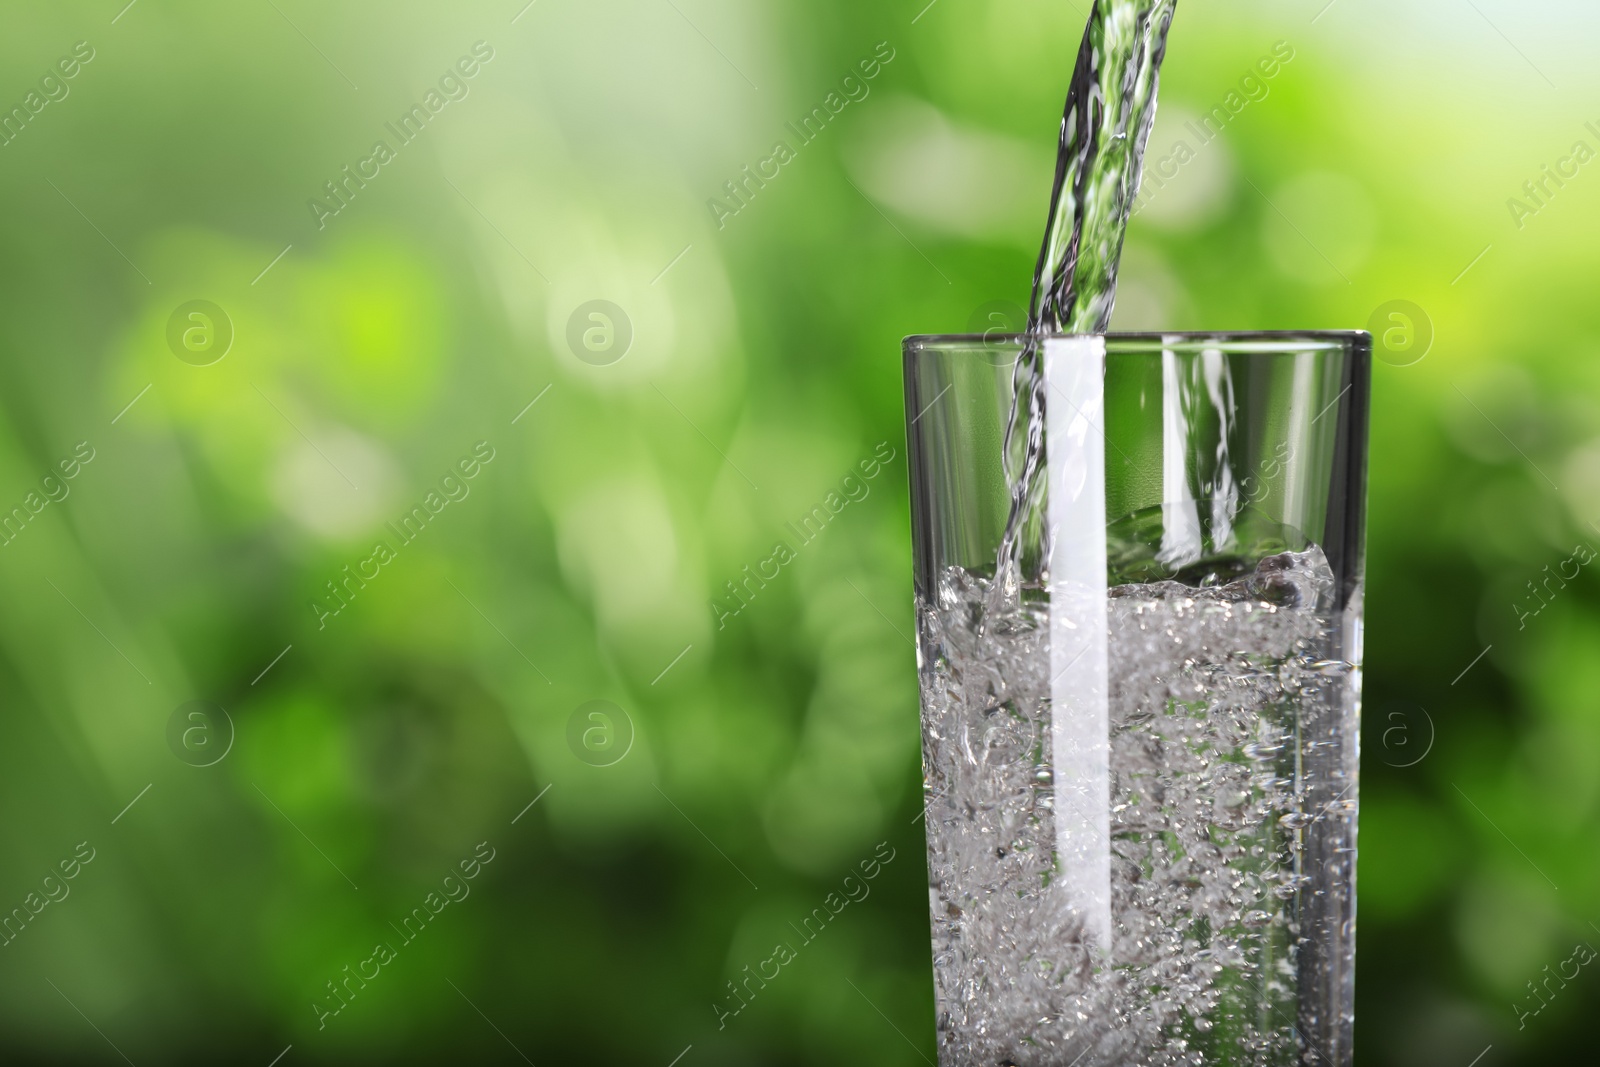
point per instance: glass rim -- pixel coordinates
(1184, 337)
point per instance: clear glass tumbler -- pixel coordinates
(1140, 741)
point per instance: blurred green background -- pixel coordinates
(747, 762)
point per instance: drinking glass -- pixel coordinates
(1140, 734)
